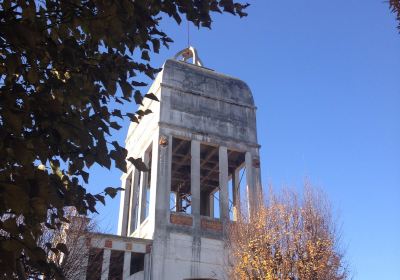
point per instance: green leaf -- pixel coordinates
(10, 226)
(102, 157)
(126, 89)
(85, 176)
(11, 246)
(112, 192)
(151, 96)
(156, 45)
(89, 160)
(115, 125)
(145, 55)
(38, 254)
(33, 76)
(55, 250)
(133, 117)
(100, 198)
(63, 248)
(59, 82)
(138, 97)
(12, 63)
(140, 113)
(177, 18)
(91, 201)
(138, 84)
(119, 156)
(117, 113)
(139, 164)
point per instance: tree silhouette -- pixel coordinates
(62, 62)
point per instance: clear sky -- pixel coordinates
(325, 79)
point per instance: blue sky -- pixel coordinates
(324, 75)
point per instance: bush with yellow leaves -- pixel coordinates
(286, 238)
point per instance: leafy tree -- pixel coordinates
(395, 7)
(287, 238)
(62, 62)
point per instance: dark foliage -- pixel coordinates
(61, 64)
(395, 7)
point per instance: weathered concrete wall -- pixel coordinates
(206, 102)
(177, 258)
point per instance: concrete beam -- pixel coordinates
(132, 204)
(127, 265)
(105, 266)
(251, 190)
(195, 177)
(223, 183)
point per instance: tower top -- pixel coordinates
(186, 54)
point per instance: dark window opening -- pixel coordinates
(95, 261)
(209, 181)
(116, 265)
(180, 196)
(137, 262)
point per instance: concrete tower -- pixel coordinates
(200, 144)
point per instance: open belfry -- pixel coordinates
(200, 145)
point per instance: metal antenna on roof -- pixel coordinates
(188, 34)
(189, 51)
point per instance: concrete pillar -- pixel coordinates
(167, 173)
(195, 177)
(250, 183)
(162, 178)
(143, 189)
(211, 198)
(147, 267)
(257, 178)
(132, 202)
(84, 262)
(127, 266)
(223, 184)
(159, 201)
(124, 205)
(156, 187)
(236, 194)
(195, 190)
(105, 266)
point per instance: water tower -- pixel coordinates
(200, 144)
